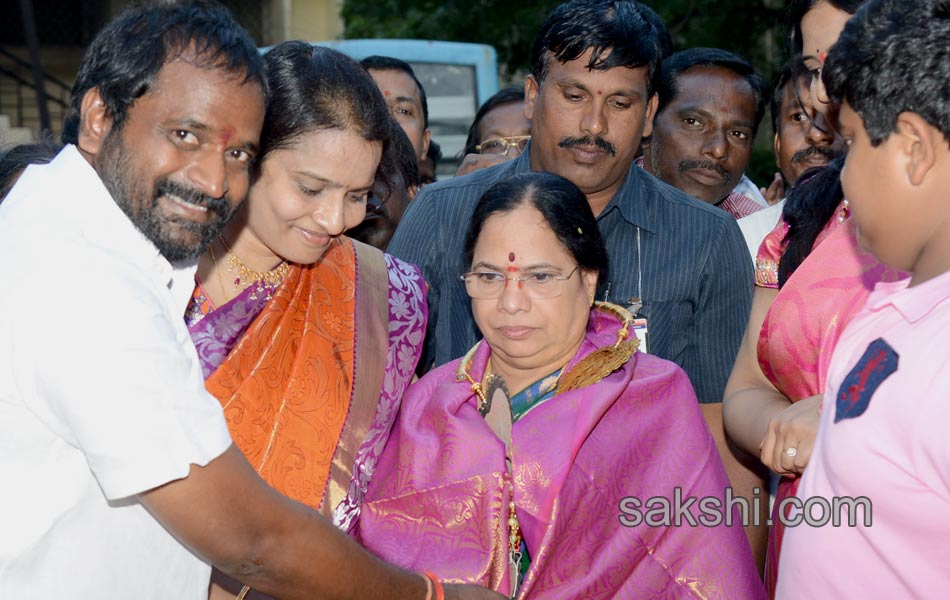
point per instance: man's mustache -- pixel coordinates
(589, 140)
(220, 207)
(691, 165)
(828, 153)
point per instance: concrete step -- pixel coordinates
(13, 136)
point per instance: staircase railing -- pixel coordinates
(18, 94)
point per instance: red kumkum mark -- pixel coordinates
(511, 257)
(226, 134)
(822, 56)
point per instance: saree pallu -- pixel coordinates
(803, 325)
(440, 497)
(311, 379)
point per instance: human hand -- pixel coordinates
(776, 190)
(795, 427)
(470, 592)
(474, 162)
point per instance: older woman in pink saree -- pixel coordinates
(530, 465)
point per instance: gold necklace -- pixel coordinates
(265, 281)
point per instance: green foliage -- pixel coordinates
(749, 27)
(508, 26)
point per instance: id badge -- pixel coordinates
(640, 329)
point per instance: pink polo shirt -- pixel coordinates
(884, 435)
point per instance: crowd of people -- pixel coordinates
(272, 358)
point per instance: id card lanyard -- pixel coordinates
(635, 304)
(640, 325)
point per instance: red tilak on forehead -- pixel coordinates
(226, 134)
(512, 269)
(822, 55)
(511, 257)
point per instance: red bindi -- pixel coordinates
(511, 257)
(512, 269)
(822, 56)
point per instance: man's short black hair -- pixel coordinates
(388, 63)
(621, 33)
(125, 57)
(791, 73)
(682, 61)
(893, 57)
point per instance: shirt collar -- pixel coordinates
(914, 303)
(633, 198)
(103, 222)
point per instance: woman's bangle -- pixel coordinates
(434, 589)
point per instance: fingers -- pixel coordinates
(793, 428)
(776, 190)
(474, 162)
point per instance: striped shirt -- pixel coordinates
(695, 270)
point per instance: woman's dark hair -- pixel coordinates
(563, 206)
(811, 203)
(20, 157)
(797, 10)
(508, 95)
(126, 56)
(314, 88)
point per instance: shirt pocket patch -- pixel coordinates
(877, 363)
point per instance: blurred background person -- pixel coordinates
(499, 132)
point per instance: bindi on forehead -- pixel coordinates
(511, 257)
(822, 55)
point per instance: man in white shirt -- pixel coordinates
(120, 479)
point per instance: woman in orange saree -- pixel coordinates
(306, 337)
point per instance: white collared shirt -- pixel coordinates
(101, 396)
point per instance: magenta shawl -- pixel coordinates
(440, 495)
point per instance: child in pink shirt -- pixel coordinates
(883, 440)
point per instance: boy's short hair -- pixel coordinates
(893, 57)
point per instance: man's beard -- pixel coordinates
(130, 191)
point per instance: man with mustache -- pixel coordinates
(803, 139)
(711, 104)
(120, 478)
(680, 263)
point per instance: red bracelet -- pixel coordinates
(433, 585)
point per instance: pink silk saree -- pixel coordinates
(440, 496)
(803, 324)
